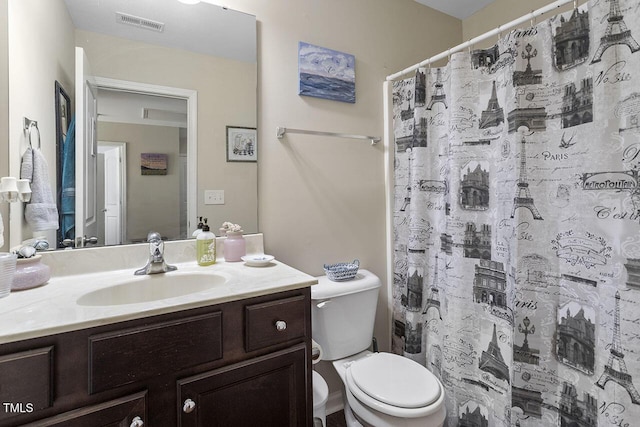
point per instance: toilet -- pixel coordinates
(380, 389)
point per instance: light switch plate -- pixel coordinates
(214, 197)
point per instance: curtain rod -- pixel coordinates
(496, 31)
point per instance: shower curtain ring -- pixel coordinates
(499, 33)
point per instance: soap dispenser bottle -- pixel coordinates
(206, 246)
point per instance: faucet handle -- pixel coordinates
(154, 237)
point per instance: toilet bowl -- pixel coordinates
(388, 390)
(320, 396)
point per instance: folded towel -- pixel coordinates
(41, 212)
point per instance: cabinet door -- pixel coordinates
(265, 391)
(127, 411)
(26, 383)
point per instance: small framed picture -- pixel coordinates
(241, 144)
(153, 164)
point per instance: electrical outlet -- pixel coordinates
(214, 197)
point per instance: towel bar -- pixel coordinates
(280, 131)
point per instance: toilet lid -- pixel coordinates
(396, 380)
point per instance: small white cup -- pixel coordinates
(7, 272)
(24, 190)
(8, 189)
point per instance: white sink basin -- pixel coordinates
(152, 287)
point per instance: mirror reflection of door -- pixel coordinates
(111, 192)
(150, 123)
(86, 150)
(131, 202)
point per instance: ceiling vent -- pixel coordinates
(164, 115)
(136, 21)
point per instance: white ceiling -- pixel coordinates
(203, 28)
(460, 9)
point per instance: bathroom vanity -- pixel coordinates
(237, 354)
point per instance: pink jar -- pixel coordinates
(30, 272)
(234, 246)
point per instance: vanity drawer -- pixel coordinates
(131, 355)
(119, 412)
(263, 322)
(26, 381)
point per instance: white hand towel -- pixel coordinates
(41, 212)
(26, 168)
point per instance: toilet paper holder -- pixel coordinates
(316, 352)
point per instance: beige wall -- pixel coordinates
(161, 211)
(32, 77)
(322, 199)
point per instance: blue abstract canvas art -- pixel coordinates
(326, 73)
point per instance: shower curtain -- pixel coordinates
(517, 223)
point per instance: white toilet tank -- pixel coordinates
(343, 314)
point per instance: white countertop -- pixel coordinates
(53, 308)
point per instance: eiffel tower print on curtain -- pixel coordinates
(492, 361)
(434, 301)
(493, 115)
(438, 94)
(523, 197)
(616, 33)
(616, 370)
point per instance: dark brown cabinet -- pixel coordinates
(264, 391)
(240, 363)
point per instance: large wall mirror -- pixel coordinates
(153, 86)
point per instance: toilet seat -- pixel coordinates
(395, 385)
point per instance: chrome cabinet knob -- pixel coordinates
(137, 422)
(281, 325)
(93, 240)
(188, 406)
(68, 243)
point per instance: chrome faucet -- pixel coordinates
(156, 263)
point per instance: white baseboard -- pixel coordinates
(334, 402)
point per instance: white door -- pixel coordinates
(86, 150)
(100, 195)
(113, 196)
